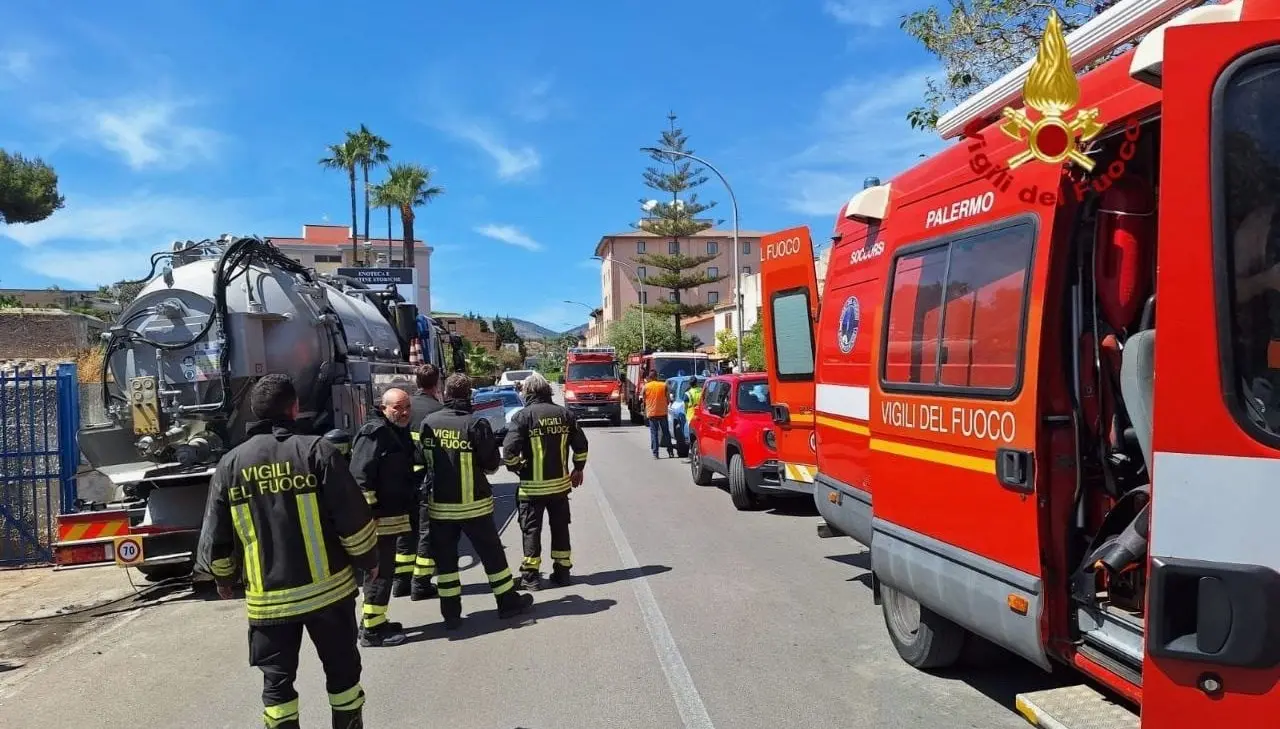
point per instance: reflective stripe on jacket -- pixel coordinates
(460, 449)
(537, 448)
(286, 509)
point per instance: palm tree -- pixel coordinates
(372, 153)
(346, 156)
(408, 186)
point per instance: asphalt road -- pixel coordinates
(685, 614)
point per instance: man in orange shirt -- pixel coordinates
(655, 409)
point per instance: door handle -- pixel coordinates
(1213, 612)
(781, 414)
(1016, 469)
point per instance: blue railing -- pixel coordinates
(39, 457)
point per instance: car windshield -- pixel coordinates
(579, 371)
(517, 375)
(668, 368)
(509, 398)
(753, 396)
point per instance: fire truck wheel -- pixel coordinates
(739, 493)
(923, 638)
(701, 475)
(636, 418)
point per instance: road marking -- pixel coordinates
(688, 702)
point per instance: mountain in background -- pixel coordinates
(529, 330)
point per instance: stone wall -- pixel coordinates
(46, 333)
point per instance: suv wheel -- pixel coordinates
(739, 493)
(701, 476)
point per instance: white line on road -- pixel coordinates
(688, 701)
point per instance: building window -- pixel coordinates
(713, 248)
(642, 272)
(713, 297)
(746, 270)
(969, 337)
(713, 272)
(640, 246)
(746, 248)
(644, 297)
(326, 258)
(397, 263)
(673, 247)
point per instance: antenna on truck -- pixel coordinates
(1120, 24)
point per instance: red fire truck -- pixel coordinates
(591, 386)
(982, 395)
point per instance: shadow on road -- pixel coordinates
(595, 579)
(487, 621)
(860, 560)
(800, 505)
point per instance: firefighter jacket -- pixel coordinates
(420, 406)
(460, 449)
(284, 506)
(537, 448)
(382, 458)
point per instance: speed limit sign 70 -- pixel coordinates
(128, 551)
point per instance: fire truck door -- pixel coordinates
(790, 286)
(1213, 433)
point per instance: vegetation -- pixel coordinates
(407, 186)
(675, 219)
(371, 152)
(480, 363)
(346, 156)
(978, 41)
(506, 331)
(752, 347)
(28, 189)
(659, 333)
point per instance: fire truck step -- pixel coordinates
(1074, 707)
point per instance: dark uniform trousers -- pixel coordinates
(408, 566)
(274, 650)
(424, 565)
(377, 592)
(530, 511)
(483, 535)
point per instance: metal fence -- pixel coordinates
(39, 455)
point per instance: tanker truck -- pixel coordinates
(178, 367)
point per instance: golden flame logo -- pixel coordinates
(1051, 89)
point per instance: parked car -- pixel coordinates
(732, 435)
(511, 377)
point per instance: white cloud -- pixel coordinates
(533, 102)
(101, 240)
(149, 132)
(867, 13)
(510, 235)
(860, 131)
(16, 64)
(513, 162)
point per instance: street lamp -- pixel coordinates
(737, 270)
(644, 344)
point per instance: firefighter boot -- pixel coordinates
(352, 719)
(529, 580)
(512, 603)
(560, 575)
(385, 635)
(422, 589)
(401, 586)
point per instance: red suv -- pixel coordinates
(733, 436)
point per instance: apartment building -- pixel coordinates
(619, 289)
(326, 248)
(469, 329)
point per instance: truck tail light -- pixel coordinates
(84, 554)
(770, 440)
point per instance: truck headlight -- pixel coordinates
(770, 440)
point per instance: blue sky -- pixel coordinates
(187, 120)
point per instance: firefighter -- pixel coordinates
(382, 458)
(693, 396)
(537, 449)
(461, 449)
(414, 566)
(284, 507)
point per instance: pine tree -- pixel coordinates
(675, 219)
